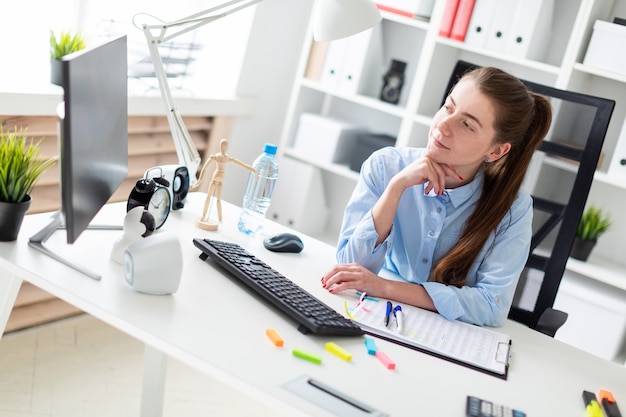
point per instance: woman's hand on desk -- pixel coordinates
(344, 277)
(353, 276)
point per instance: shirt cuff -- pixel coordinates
(445, 300)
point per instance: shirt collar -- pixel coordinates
(461, 195)
(466, 192)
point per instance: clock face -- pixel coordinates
(159, 205)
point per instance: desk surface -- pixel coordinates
(215, 325)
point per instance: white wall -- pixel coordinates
(268, 73)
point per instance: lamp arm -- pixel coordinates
(186, 150)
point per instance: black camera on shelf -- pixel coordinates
(393, 82)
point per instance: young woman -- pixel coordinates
(450, 220)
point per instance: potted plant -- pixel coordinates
(20, 166)
(65, 44)
(593, 223)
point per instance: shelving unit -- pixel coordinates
(430, 60)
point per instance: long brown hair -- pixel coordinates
(522, 119)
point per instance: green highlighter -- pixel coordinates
(307, 356)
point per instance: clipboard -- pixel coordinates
(475, 347)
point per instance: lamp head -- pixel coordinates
(335, 19)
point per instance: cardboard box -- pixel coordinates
(606, 47)
(326, 139)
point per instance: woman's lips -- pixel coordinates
(440, 145)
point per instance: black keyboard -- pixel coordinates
(312, 314)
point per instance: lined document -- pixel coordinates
(479, 347)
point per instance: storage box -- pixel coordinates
(366, 143)
(617, 168)
(606, 47)
(326, 139)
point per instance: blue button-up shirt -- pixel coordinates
(425, 228)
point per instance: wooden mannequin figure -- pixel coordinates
(214, 192)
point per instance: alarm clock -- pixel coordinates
(178, 177)
(153, 195)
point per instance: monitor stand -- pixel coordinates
(58, 222)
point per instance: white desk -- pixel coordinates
(216, 326)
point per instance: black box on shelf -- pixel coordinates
(366, 143)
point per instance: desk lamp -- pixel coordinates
(333, 19)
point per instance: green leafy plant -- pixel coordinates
(593, 223)
(65, 44)
(20, 165)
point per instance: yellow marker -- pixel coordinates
(275, 337)
(335, 349)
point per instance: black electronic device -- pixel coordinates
(312, 314)
(178, 178)
(154, 196)
(393, 80)
(93, 139)
(284, 242)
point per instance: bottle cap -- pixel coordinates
(270, 148)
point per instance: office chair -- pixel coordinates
(582, 121)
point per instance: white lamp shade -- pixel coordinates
(335, 19)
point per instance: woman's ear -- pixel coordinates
(499, 151)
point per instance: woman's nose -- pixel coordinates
(444, 125)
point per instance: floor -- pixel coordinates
(80, 366)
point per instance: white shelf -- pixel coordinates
(599, 72)
(416, 22)
(600, 270)
(365, 101)
(341, 170)
(534, 65)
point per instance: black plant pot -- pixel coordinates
(11, 216)
(581, 249)
(56, 76)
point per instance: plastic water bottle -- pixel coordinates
(259, 190)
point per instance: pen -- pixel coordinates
(592, 408)
(388, 313)
(397, 313)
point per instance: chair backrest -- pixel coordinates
(559, 180)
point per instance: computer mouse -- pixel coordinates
(284, 242)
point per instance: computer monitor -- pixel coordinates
(93, 138)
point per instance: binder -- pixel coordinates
(531, 29)
(500, 30)
(465, 344)
(617, 168)
(333, 65)
(462, 19)
(480, 23)
(447, 20)
(363, 65)
(317, 58)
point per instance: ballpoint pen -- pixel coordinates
(388, 312)
(397, 313)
